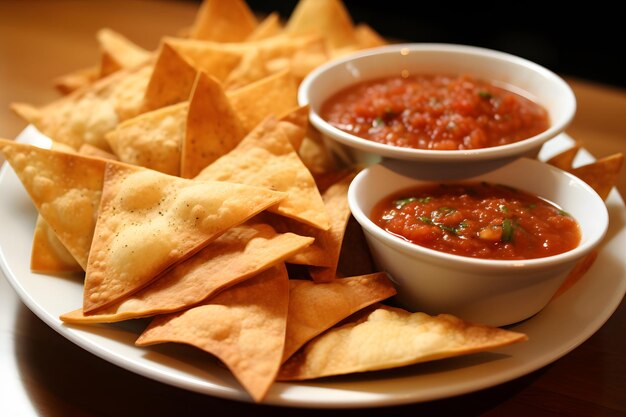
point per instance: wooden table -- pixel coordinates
(41, 373)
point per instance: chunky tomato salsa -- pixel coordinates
(480, 220)
(435, 112)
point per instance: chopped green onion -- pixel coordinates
(485, 94)
(425, 219)
(463, 225)
(446, 210)
(532, 206)
(564, 213)
(403, 202)
(507, 231)
(424, 199)
(503, 208)
(378, 122)
(448, 229)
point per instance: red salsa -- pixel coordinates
(480, 220)
(435, 112)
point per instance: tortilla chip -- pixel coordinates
(265, 158)
(243, 326)
(215, 59)
(213, 127)
(65, 188)
(87, 114)
(565, 159)
(297, 124)
(579, 270)
(272, 96)
(48, 255)
(329, 18)
(326, 249)
(602, 174)
(81, 78)
(269, 27)
(240, 253)
(153, 139)
(91, 151)
(315, 155)
(251, 68)
(148, 221)
(355, 257)
(118, 52)
(223, 21)
(366, 37)
(314, 308)
(386, 337)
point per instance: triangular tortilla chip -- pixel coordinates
(148, 221)
(240, 253)
(265, 158)
(297, 126)
(65, 188)
(118, 52)
(171, 81)
(579, 270)
(48, 255)
(565, 159)
(271, 96)
(81, 78)
(213, 127)
(87, 114)
(386, 337)
(223, 21)
(602, 174)
(327, 247)
(153, 139)
(314, 308)
(244, 327)
(90, 150)
(328, 18)
(251, 68)
(366, 37)
(269, 27)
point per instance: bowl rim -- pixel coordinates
(397, 152)
(456, 261)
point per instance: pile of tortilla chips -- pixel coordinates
(188, 186)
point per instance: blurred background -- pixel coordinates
(580, 39)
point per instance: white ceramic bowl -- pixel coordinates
(495, 292)
(541, 85)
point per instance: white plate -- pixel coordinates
(560, 327)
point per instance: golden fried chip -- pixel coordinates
(223, 21)
(269, 27)
(579, 270)
(366, 37)
(314, 308)
(602, 174)
(87, 114)
(565, 159)
(213, 127)
(148, 221)
(67, 83)
(272, 96)
(89, 150)
(153, 139)
(243, 326)
(315, 155)
(265, 158)
(251, 68)
(296, 126)
(326, 249)
(65, 188)
(240, 253)
(386, 337)
(118, 52)
(328, 18)
(48, 255)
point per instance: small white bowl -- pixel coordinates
(494, 292)
(543, 86)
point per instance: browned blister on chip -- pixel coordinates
(385, 337)
(243, 326)
(148, 221)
